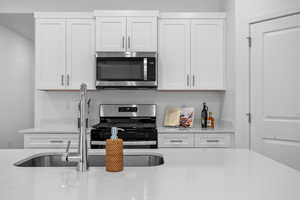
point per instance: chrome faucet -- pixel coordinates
(81, 157)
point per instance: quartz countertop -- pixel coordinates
(50, 131)
(191, 174)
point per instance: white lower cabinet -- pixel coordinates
(176, 140)
(208, 140)
(49, 141)
(213, 140)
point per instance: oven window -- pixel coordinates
(120, 69)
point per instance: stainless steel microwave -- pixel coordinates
(126, 70)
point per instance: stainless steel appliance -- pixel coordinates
(126, 70)
(138, 122)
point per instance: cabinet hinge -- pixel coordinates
(249, 41)
(249, 117)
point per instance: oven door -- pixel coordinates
(126, 72)
(144, 138)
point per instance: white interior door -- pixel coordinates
(80, 53)
(275, 89)
(111, 33)
(207, 54)
(142, 34)
(174, 55)
(50, 54)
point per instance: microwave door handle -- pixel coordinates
(145, 69)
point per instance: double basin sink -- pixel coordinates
(56, 160)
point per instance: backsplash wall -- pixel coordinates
(57, 110)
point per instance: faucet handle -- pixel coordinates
(66, 154)
(68, 146)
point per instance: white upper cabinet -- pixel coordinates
(191, 51)
(110, 33)
(65, 52)
(174, 54)
(120, 31)
(207, 54)
(50, 54)
(80, 53)
(142, 34)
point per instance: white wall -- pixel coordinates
(83, 5)
(229, 97)
(16, 87)
(245, 10)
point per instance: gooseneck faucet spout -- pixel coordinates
(83, 150)
(82, 156)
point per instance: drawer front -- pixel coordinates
(50, 140)
(175, 140)
(213, 140)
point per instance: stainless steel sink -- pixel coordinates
(55, 160)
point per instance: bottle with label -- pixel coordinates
(204, 116)
(210, 121)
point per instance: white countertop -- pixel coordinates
(159, 129)
(188, 174)
(51, 131)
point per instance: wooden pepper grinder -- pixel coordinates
(114, 152)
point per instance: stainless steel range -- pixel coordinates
(138, 122)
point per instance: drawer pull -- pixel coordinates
(214, 141)
(57, 141)
(176, 141)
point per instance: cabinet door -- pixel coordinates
(207, 54)
(45, 140)
(50, 54)
(213, 140)
(174, 54)
(175, 140)
(142, 34)
(110, 33)
(80, 54)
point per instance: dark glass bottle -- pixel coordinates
(204, 116)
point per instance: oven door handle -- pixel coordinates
(145, 69)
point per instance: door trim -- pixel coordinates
(275, 15)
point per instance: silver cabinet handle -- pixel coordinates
(176, 141)
(62, 80)
(193, 80)
(128, 42)
(56, 141)
(68, 80)
(123, 42)
(188, 80)
(215, 141)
